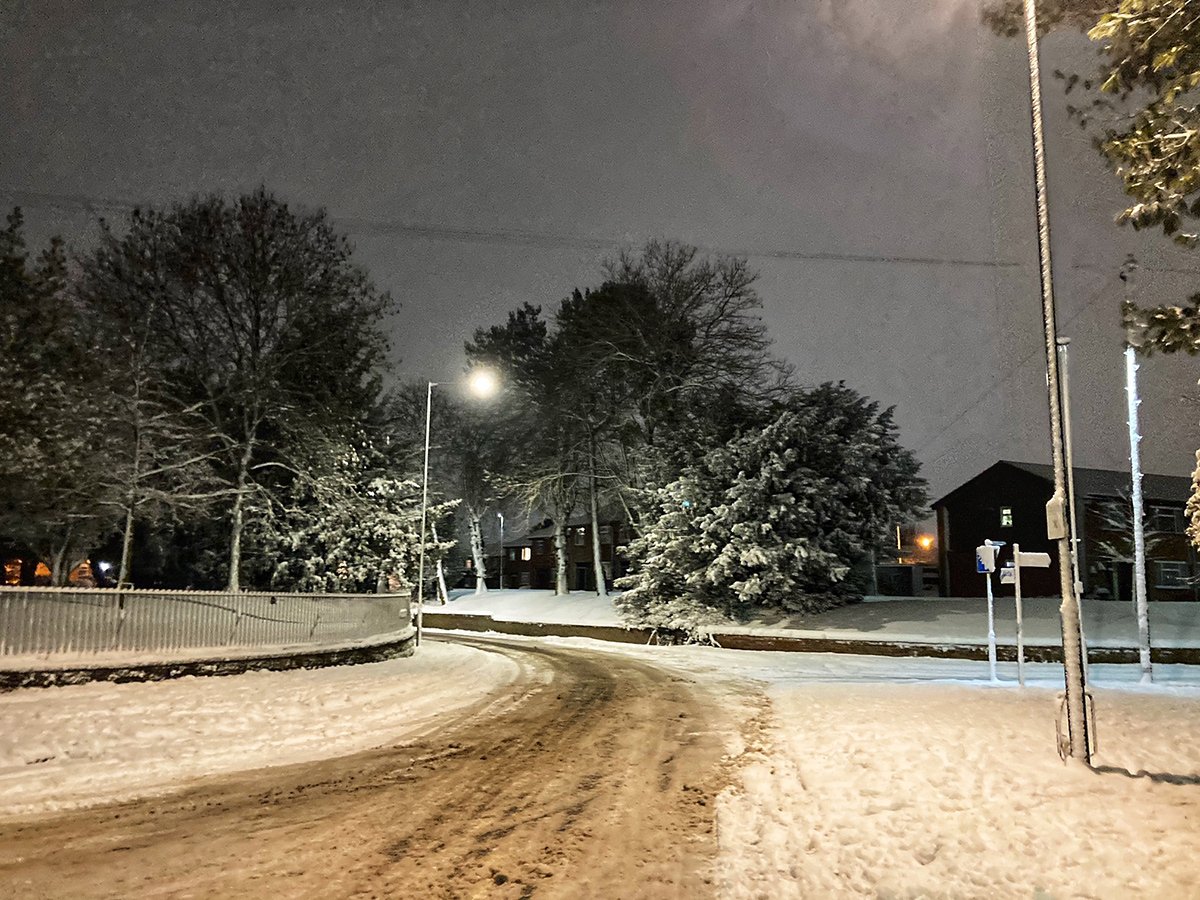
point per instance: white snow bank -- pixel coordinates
(578, 608)
(74, 746)
(901, 619)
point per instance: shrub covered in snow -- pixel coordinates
(777, 517)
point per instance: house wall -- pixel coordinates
(973, 513)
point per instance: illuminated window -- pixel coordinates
(526, 553)
(579, 533)
(1006, 517)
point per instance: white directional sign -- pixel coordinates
(1034, 560)
(1008, 575)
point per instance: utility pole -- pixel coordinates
(1056, 510)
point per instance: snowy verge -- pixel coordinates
(910, 620)
(75, 746)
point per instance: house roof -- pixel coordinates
(547, 531)
(1094, 482)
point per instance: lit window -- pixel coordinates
(1006, 517)
(579, 534)
(526, 554)
(1173, 574)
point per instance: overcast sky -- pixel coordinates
(872, 159)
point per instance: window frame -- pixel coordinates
(1183, 574)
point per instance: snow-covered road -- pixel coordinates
(841, 776)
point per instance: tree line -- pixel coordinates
(204, 390)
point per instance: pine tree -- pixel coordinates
(777, 518)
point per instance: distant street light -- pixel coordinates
(482, 383)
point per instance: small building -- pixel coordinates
(529, 560)
(1007, 502)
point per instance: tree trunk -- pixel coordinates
(239, 513)
(477, 553)
(60, 569)
(443, 594)
(594, 503)
(126, 545)
(134, 484)
(561, 588)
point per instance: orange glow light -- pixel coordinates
(925, 541)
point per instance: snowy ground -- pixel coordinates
(874, 777)
(850, 777)
(923, 620)
(73, 746)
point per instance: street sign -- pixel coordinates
(985, 558)
(1008, 575)
(1034, 560)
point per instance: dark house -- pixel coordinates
(1007, 502)
(529, 560)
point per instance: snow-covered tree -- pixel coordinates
(263, 322)
(55, 445)
(351, 526)
(777, 517)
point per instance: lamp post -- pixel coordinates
(1057, 511)
(482, 383)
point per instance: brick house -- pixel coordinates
(529, 560)
(1007, 502)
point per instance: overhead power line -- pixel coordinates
(511, 236)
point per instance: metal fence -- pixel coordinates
(44, 621)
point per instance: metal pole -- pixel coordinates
(991, 628)
(424, 512)
(1139, 533)
(1020, 624)
(1072, 651)
(1076, 577)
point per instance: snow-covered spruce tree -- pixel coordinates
(775, 518)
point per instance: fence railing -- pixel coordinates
(40, 621)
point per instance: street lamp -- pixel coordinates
(482, 383)
(1057, 510)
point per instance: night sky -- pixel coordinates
(871, 158)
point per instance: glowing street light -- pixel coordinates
(482, 383)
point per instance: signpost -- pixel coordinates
(985, 564)
(1032, 560)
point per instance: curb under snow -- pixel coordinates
(743, 640)
(51, 673)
